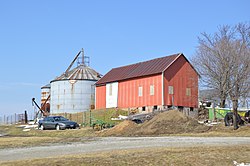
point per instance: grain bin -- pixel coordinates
(74, 90)
(45, 92)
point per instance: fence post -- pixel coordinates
(25, 117)
(15, 118)
(90, 118)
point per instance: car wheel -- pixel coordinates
(42, 127)
(58, 127)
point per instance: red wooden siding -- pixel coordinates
(181, 75)
(100, 97)
(128, 92)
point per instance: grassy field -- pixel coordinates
(214, 156)
(18, 138)
(88, 117)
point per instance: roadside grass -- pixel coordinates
(15, 137)
(188, 156)
(221, 130)
(14, 130)
(15, 142)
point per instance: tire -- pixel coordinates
(229, 119)
(58, 127)
(76, 127)
(42, 127)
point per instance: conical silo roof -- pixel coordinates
(81, 72)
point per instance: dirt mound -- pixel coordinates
(169, 122)
(124, 128)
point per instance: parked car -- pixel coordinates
(56, 122)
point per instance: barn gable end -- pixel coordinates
(146, 85)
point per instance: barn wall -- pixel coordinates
(181, 76)
(128, 93)
(100, 101)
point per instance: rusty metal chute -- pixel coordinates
(72, 63)
(42, 108)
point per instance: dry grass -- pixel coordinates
(14, 142)
(16, 137)
(214, 156)
(13, 131)
(222, 131)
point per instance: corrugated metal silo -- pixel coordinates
(74, 90)
(45, 92)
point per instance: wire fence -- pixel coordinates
(86, 118)
(12, 119)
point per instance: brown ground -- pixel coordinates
(170, 122)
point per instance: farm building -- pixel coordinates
(74, 90)
(157, 84)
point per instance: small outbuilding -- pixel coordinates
(169, 81)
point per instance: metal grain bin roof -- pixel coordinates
(151, 67)
(81, 72)
(46, 86)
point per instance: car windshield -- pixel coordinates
(60, 119)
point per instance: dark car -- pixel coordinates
(57, 122)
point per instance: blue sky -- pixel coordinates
(39, 39)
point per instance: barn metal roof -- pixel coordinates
(151, 67)
(81, 72)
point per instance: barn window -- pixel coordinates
(155, 107)
(188, 91)
(110, 90)
(170, 90)
(143, 108)
(140, 91)
(152, 90)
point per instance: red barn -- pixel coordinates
(155, 84)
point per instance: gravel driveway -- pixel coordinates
(115, 143)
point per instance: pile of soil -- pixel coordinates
(169, 122)
(124, 128)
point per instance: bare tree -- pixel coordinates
(239, 82)
(223, 61)
(212, 61)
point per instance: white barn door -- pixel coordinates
(111, 95)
